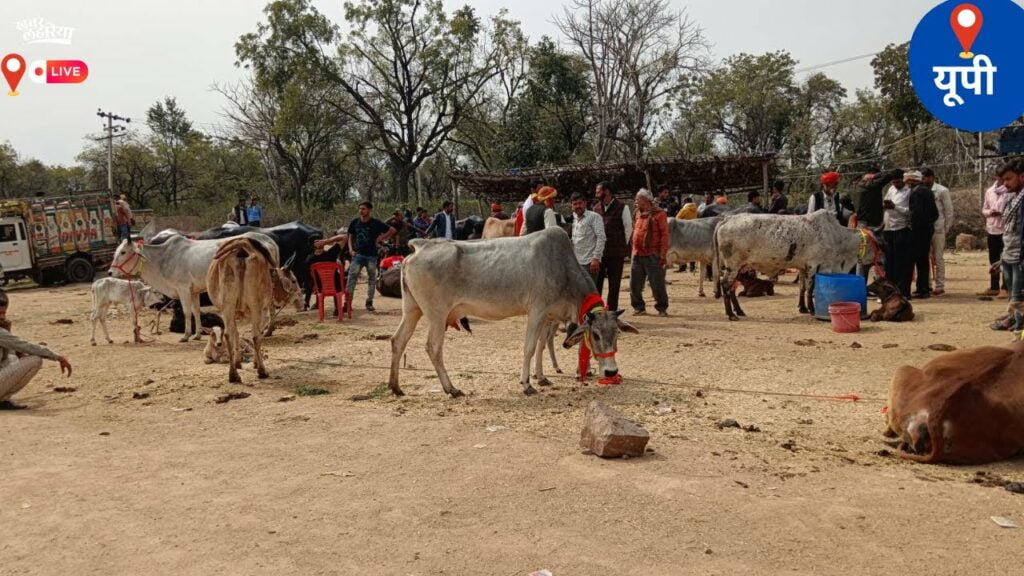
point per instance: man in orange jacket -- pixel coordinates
(650, 248)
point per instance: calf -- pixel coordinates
(965, 407)
(215, 351)
(895, 307)
(130, 294)
(754, 287)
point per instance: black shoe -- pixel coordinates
(922, 295)
(8, 405)
(370, 308)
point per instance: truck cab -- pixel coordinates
(15, 250)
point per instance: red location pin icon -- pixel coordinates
(13, 67)
(966, 21)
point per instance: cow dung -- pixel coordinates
(609, 434)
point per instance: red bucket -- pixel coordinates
(845, 317)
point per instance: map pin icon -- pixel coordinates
(13, 67)
(966, 21)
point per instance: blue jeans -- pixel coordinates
(358, 263)
(124, 232)
(1013, 274)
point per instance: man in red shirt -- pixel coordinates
(650, 247)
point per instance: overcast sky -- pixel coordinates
(139, 51)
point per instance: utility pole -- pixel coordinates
(111, 129)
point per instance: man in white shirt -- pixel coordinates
(899, 250)
(587, 237)
(944, 202)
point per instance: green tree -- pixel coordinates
(750, 102)
(410, 69)
(171, 134)
(892, 80)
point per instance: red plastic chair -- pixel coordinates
(323, 275)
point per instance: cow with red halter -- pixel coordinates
(535, 276)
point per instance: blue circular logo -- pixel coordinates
(965, 63)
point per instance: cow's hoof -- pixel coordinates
(263, 375)
(733, 318)
(93, 342)
(558, 370)
(544, 382)
(234, 379)
(701, 295)
(184, 339)
(456, 393)
(741, 313)
(529, 391)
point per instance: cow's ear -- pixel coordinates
(574, 335)
(627, 327)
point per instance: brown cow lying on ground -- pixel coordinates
(965, 407)
(895, 308)
(754, 287)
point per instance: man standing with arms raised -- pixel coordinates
(618, 229)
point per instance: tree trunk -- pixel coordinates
(400, 187)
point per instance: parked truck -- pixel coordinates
(59, 239)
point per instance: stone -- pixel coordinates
(966, 242)
(608, 434)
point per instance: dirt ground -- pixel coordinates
(98, 482)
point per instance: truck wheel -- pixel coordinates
(79, 270)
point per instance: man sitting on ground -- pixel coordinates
(20, 361)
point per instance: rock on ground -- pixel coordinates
(609, 434)
(966, 242)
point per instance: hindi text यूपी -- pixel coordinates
(949, 78)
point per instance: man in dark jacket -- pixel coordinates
(443, 225)
(667, 202)
(618, 228)
(923, 214)
(779, 203)
(869, 211)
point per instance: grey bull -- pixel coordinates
(176, 268)
(769, 243)
(693, 241)
(535, 276)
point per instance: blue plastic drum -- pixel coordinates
(833, 288)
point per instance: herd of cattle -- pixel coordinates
(955, 410)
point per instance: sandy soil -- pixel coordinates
(96, 482)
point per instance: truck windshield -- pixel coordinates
(8, 233)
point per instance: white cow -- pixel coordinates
(177, 268)
(131, 294)
(813, 244)
(693, 241)
(535, 276)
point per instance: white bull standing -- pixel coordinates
(177, 268)
(535, 276)
(693, 241)
(767, 243)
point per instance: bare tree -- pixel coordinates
(291, 130)
(639, 52)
